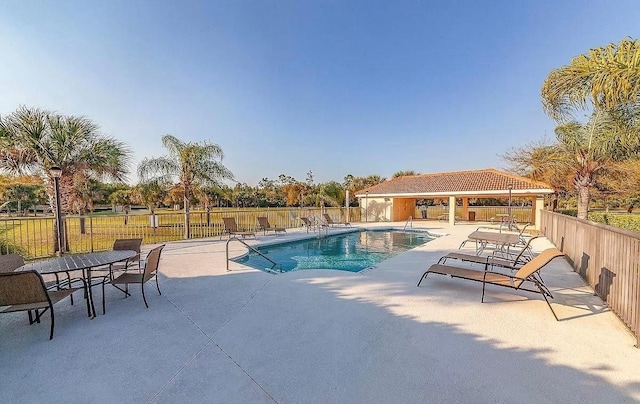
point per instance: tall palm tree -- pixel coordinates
(33, 140)
(582, 152)
(192, 164)
(605, 78)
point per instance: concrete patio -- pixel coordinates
(319, 336)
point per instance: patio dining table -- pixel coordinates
(501, 240)
(84, 262)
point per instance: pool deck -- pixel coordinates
(319, 336)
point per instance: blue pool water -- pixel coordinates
(348, 252)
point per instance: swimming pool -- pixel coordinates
(347, 252)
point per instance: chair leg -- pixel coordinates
(68, 280)
(158, 285)
(52, 322)
(483, 286)
(30, 317)
(103, 299)
(424, 276)
(544, 295)
(143, 296)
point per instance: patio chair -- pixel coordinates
(26, 291)
(231, 228)
(150, 270)
(10, 262)
(331, 223)
(527, 274)
(263, 224)
(121, 244)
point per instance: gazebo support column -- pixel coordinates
(452, 210)
(465, 208)
(538, 205)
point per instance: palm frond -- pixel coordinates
(157, 167)
(605, 78)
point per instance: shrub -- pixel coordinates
(7, 247)
(568, 212)
(627, 221)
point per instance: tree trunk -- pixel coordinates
(53, 204)
(583, 202)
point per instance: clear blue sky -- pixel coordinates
(336, 87)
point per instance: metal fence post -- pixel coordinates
(91, 232)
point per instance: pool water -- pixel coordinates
(347, 252)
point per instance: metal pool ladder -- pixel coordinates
(250, 248)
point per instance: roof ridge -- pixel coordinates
(456, 172)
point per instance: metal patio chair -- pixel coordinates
(10, 262)
(26, 291)
(149, 271)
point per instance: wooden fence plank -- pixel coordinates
(607, 258)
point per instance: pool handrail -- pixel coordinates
(409, 222)
(250, 248)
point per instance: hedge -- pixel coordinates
(628, 221)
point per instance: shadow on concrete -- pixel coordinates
(308, 336)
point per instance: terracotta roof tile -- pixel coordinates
(453, 182)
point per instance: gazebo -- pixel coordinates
(397, 197)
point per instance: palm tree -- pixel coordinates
(583, 152)
(33, 140)
(605, 78)
(193, 164)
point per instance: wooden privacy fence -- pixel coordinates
(608, 258)
(34, 237)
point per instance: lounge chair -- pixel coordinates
(26, 291)
(331, 223)
(508, 260)
(313, 223)
(263, 224)
(484, 236)
(231, 228)
(528, 274)
(308, 223)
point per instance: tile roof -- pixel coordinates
(480, 181)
